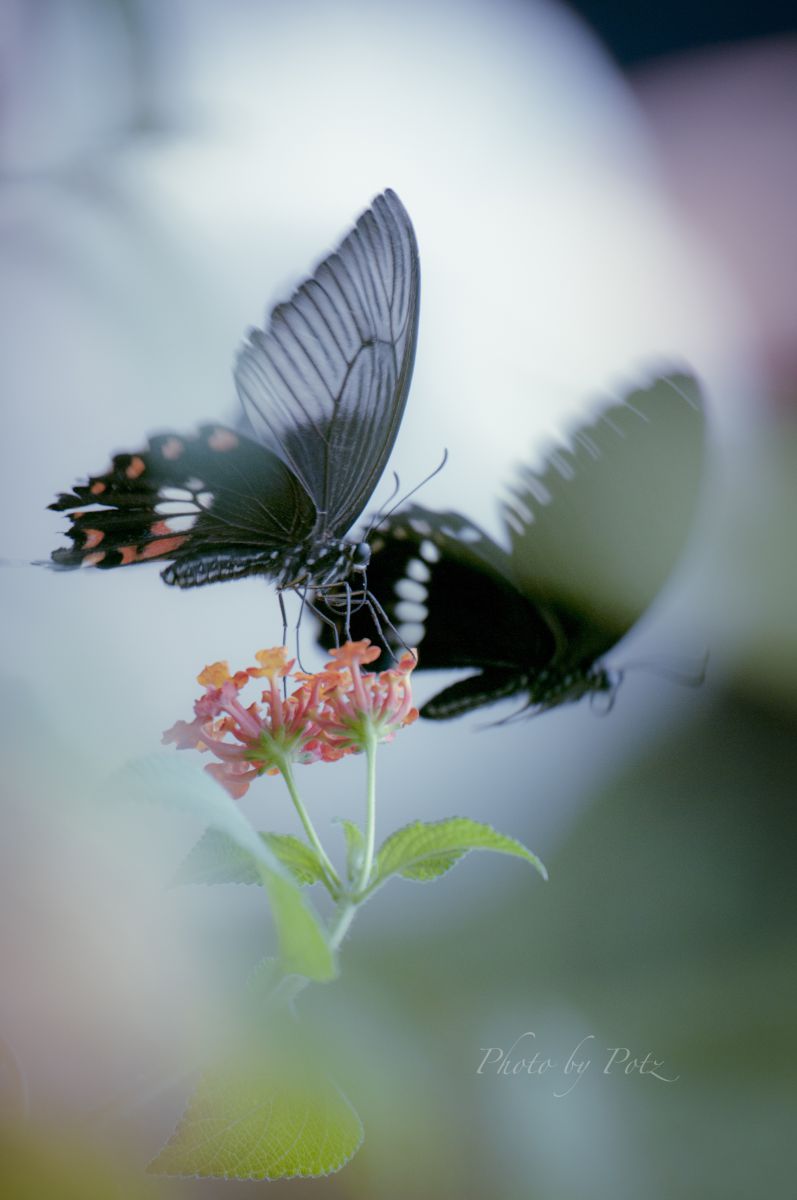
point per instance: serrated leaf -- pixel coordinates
(304, 946)
(217, 858)
(425, 850)
(430, 868)
(252, 1125)
(355, 848)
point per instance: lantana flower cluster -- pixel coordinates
(334, 712)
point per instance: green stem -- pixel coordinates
(370, 816)
(350, 903)
(333, 882)
(345, 916)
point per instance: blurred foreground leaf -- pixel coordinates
(255, 1124)
(304, 948)
(218, 858)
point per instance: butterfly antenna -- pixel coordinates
(526, 711)
(381, 518)
(694, 677)
(603, 702)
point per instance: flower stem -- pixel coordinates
(370, 815)
(333, 882)
(350, 903)
(345, 916)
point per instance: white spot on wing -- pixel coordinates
(182, 524)
(469, 535)
(172, 508)
(407, 610)
(430, 552)
(410, 589)
(412, 633)
(418, 570)
(174, 494)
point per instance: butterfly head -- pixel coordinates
(603, 685)
(359, 556)
(551, 687)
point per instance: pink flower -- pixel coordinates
(335, 712)
(360, 707)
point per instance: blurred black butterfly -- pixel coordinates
(593, 538)
(324, 387)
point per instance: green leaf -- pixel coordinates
(300, 859)
(217, 858)
(430, 868)
(355, 848)
(425, 850)
(165, 780)
(258, 1124)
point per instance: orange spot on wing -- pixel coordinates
(172, 448)
(159, 529)
(165, 546)
(93, 538)
(223, 439)
(91, 560)
(136, 467)
(98, 488)
(157, 549)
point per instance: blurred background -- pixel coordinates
(597, 194)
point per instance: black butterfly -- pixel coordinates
(593, 538)
(324, 387)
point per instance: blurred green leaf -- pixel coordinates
(304, 948)
(252, 1124)
(217, 858)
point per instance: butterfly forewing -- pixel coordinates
(325, 385)
(598, 530)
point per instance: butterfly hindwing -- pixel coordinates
(593, 534)
(200, 500)
(446, 589)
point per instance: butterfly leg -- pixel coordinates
(326, 620)
(377, 612)
(347, 586)
(284, 616)
(303, 603)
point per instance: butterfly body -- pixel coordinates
(323, 387)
